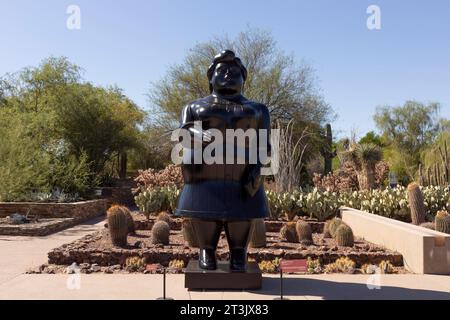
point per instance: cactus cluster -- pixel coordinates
(118, 226)
(176, 264)
(268, 266)
(333, 226)
(189, 234)
(160, 233)
(304, 232)
(416, 204)
(258, 234)
(340, 231)
(343, 265)
(134, 263)
(442, 222)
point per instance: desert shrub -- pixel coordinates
(275, 205)
(149, 179)
(322, 205)
(345, 178)
(173, 193)
(152, 201)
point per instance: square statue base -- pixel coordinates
(222, 278)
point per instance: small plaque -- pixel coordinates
(296, 265)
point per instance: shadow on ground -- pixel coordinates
(331, 290)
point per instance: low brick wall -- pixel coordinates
(79, 210)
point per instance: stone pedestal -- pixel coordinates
(222, 277)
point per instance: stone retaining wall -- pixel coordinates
(79, 210)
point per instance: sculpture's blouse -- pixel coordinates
(229, 191)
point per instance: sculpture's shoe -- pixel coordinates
(238, 261)
(207, 259)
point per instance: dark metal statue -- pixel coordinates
(224, 195)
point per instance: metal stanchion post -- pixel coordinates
(164, 287)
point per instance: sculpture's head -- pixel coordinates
(226, 74)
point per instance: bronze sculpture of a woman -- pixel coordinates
(225, 194)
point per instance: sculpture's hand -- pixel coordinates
(201, 136)
(253, 180)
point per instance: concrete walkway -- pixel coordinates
(140, 287)
(18, 254)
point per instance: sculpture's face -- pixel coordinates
(227, 79)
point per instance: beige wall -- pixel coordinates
(424, 251)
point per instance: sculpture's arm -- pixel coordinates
(254, 180)
(187, 123)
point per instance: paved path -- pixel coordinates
(137, 286)
(17, 254)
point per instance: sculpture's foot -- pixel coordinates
(207, 259)
(238, 260)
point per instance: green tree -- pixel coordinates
(407, 130)
(275, 79)
(372, 137)
(58, 131)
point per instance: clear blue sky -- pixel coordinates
(132, 43)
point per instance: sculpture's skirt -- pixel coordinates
(221, 200)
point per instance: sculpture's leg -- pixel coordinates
(208, 234)
(238, 234)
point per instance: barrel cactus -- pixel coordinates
(416, 204)
(189, 234)
(164, 216)
(118, 226)
(333, 225)
(442, 222)
(344, 236)
(304, 232)
(161, 233)
(326, 230)
(258, 234)
(288, 232)
(428, 225)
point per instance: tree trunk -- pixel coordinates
(123, 165)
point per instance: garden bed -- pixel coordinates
(142, 223)
(97, 249)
